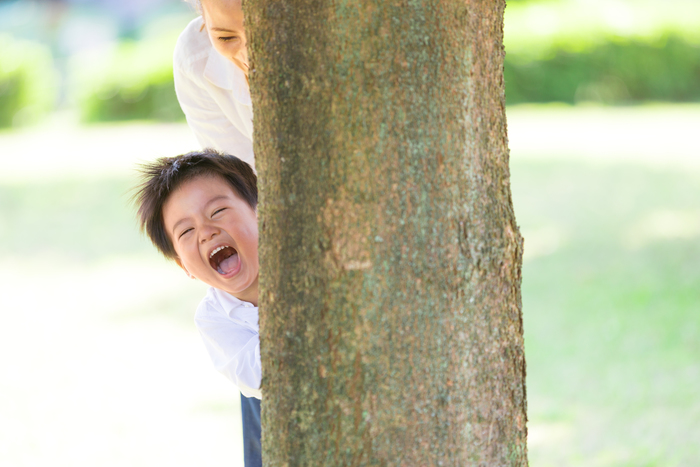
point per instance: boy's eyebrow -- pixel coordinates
(215, 199)
(222, 30)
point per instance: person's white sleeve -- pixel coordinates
(234, 348)
(207, 121)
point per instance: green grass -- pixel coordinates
(611, 297)
(104, 365)
(86, 221)
(85, 225)
(612, 316)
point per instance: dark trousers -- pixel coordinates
(252, 450)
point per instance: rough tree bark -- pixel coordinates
(390, 258)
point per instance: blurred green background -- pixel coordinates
(100, 362)
(570, 51)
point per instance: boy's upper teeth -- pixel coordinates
(216, 250)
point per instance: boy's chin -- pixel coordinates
(247, 293)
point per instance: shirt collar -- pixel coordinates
(237, 309)
(226, 75)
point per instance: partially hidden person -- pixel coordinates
(210, 68)
(200, 210)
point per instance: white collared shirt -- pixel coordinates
(229, 328)
(214, 95)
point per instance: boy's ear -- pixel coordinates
(179, 263)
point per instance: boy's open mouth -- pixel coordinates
(224, 259)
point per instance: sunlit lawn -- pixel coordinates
(612, 313)
(101, 365)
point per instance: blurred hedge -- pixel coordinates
(607, 52)
(135, 80)
(613, 72)
(27, 81)
(132, 80)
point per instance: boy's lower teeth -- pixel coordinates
(221, 271)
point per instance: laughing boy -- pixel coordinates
(199, 209)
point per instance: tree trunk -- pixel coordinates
(391, 322)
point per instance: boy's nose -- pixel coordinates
(208, 232)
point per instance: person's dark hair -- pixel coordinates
(163, 176)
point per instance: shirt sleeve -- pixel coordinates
(206, 119)
(233, 347)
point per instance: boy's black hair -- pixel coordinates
(163, 176)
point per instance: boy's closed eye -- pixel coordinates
(191, 229)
